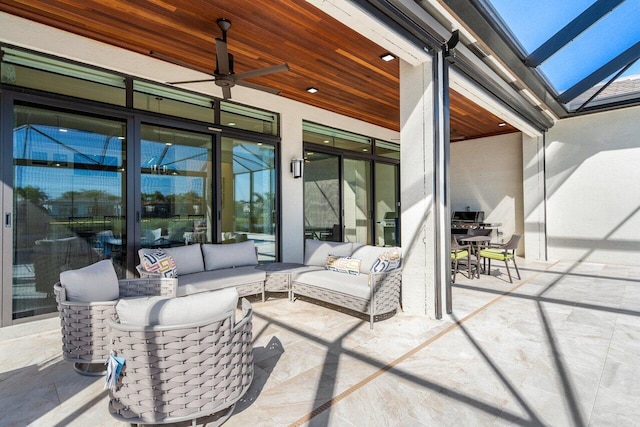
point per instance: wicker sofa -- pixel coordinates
(365, 290)
(84, 313)
(209, 267)
(186, 358)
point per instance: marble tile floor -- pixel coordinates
(561, 347)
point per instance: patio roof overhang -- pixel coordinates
(321, 51)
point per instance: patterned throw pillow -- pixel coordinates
(387, 261)
(343, 264)
(157, 261)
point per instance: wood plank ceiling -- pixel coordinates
(321, 52)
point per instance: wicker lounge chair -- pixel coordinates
(84, 329)
(179, 373)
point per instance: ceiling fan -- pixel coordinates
(224, 75)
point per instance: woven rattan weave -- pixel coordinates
(384, 297)
(179, 373)
(84, 326)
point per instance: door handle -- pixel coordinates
(7, 219)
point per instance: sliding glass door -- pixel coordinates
(356, 196)
(69, 193)
(248, 199)
(322, 197)
(387, 227)
(176, 187)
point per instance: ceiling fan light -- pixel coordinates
(387, 57)
(312, 90)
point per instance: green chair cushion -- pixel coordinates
(457, 254)
(494, 253)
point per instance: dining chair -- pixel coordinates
(459, 252)
(503, 252)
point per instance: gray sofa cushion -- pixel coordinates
(229, 255)
(188, 258)
(368, 254)
(316, 251)
(96, 282)
(218, 279)
(188, 310)
(357, 286)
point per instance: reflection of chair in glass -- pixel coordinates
(52, 257)
(459, 252)
(503, 252)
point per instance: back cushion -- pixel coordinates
(96, 282)
(229, 255)
(369, 255)
(188, 310)
(317, 251)
(188, 258)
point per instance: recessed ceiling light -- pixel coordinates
(259, 144)
(387, 57)
(502, 124)
(168, 144)
(365, 149)
(312, 90)
(231, 123)
(62, 130)
(326, 141)
(121, 137)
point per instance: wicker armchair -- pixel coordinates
(85, 340)
(181, 373)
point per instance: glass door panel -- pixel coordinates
(386, 205)
(322, 209)
(357, 200)
(249, 195)
(176, 187)
(69, 200)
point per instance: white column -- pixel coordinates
(418, 169)
(291, 189)
(533, 178)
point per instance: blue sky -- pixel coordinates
(534, 21)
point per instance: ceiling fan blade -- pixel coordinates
(258, 87)
(226, 92)
(222, 57)
(178, 62)
(191, 81)
(261, 72)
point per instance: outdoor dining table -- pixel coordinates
(476, 243)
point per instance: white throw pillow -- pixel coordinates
(188, 258)
(229, 255)
(188, 310)
(96, 282)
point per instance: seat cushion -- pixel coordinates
(219, 279)
(188, 258)
(498, 254)
(96, 282)
(217, 256)
(357, 286)
(187, 310)
(317, 251)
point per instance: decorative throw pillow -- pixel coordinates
(157, 261)
(386, 261)
(343, 264)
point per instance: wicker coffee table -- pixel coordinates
(279, 276)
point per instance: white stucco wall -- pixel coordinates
(593, 188)
(486, 175)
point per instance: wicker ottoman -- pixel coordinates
(278, 276)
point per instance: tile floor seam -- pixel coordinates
(418, 348)
(604, 364)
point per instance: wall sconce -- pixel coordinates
(297, 167)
